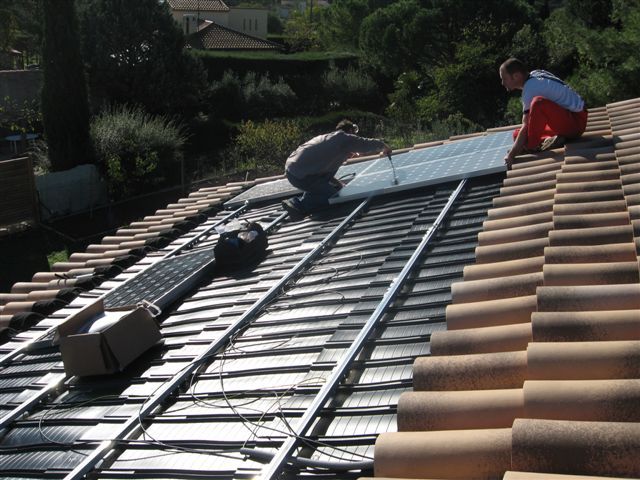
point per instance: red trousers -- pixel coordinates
(547, 119)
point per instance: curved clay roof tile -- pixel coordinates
(486, 454)
(608, 325)
(486, 371)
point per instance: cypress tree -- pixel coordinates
(65, 107)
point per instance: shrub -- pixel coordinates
(137, 151)
(350, 87)
(263, 147)
(20, 118)
(39, 154)
(400, 135)
(225, 96)
(264, 98)
(255, 97)
(369, 124)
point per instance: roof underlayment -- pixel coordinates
(511, 346)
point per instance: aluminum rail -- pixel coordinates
(197, 238)
(273, 469)
(273, 224)
(213, 348)
(39, 396)
(25, 346)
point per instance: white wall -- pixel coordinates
(221, 18)
(252, 21)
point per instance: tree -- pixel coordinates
(604, 62)
(7, 26)
(413, 35)
(135, 55)
(393, 39)
(21, 27)
(340, 23)
(301, 33)
(65, 109)
(274, 24)
(445, 54)
(595, 14)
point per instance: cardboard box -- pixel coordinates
(96, 342)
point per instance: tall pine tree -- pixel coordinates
(65, 107)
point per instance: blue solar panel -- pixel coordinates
(282, 188)
(374, 176)
(163, 282)
(443, 163)
(264, 191)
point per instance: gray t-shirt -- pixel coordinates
(325, 153)
(544, 84)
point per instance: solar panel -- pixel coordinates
(163, 282)
(440, 164)
(264, 191)
(282, 188)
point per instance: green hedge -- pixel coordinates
(301, 71)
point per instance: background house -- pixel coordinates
(191, 14)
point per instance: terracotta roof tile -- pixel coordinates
(541, 359)
(202, 5)
(217, 37)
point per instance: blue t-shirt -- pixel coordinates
(544, 84)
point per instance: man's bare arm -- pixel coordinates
(521, 141)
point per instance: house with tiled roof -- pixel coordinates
(484, 327)
(216, 37)
(236, 28)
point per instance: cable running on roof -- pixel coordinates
(213, 349)
(275, 466)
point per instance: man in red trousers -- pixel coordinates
(552, 111)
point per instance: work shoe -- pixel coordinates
(552, 142)
(295, 213)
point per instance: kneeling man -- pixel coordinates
(552, 111)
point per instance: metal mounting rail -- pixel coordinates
(273, 469)
(204, 233)
(273, 224)
(26, 345)
(40, 395)
(212, 349)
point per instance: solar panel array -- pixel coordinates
(453, 161)
(282, 188)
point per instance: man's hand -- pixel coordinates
(508, 159)
(337, 183)
(386, 150)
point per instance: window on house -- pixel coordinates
(256, 25)
(244, 24)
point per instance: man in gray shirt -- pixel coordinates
(313, 165)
